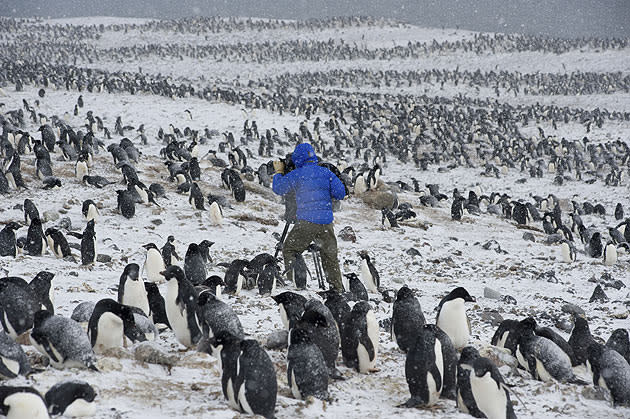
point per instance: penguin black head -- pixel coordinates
(404, 292)
(469, 354)
(63, 394)
(150, 246)
(352, 276)
(213, 282)
(528, 325)
(619, 340)
(193, 248)
(364, 255)
(362, 307)
(460, 292)
(173, 271)
(314, 318)
(224, 338)
(205, 296)
(289, 297)
(299, 335)
(40, 317)
(13, 226)
(131, 271)
(170, 239)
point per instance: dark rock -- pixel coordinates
(389, 296)
(277, 340)
(386, 324)
(73, 273)
(529, 237)
(553, 238)
(549, 276)
(573, 309)
(347, 234)
(65, 223)
(413, 252)
(103, 258)
(598, 295)
(508, 299)
(491, 317)
(156, 221)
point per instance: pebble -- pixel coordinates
(103, 258)
(50, 215)
(65, 223)
(491, 294)
(529, 237)
(150, 353)
(572, 309)
(598, 295)
(347, 234)
(491, 317)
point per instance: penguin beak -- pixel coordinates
(146, 246)
(472, 299)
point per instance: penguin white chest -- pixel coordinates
(26, 405)
(177, 317)
(283, 316)
(365, 361)
(110, 332)
(367, 278)
(432, 387)
(81, 169)
(153, 265)
(610, 255)
(92, 213)
(453, 321)
(216, 217)
(135, 295)
(565, 251)
(80, 408)
(294, 387)
(490, 398)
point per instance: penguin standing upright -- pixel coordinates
(424, 369)
(153, 263)
(181, 306)
(567, 251)
(300, 272)
(131, 289)
(452, 317)
(195, 198)
(580, 340)
(156, 304)
(57, 243)
(307, 374)
(194, 266)
(267, 278)
(215, 316)
(291, 307)
(610, 254)
(356, 288)
(235, 276)
(256, 386)
(22, 402)
(126, 203)
(369, 274)
(90, 210)
(618, 211)
(216, 214)
(41, 287)
(88, 243)
(594, 246)
(35, 239)
(30, 211)
(62, 340)
(359, 338)
(324, 334)
(619, 340)
(227, 348)
(18, 305)
(465, 398)
(338, 306)
(108, 324)
(73, 398)
(169, 253)
(81, 167)
(610, 371)
(407, 319)
(8, 245)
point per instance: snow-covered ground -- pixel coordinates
(451, 252)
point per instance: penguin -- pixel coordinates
(35, 240)
(324, 334)
(18, 305)
(307, 374)
(424, 368)
(90, 210)
(108, 324)
(610, 254)
(359, 338)
(126, 203)
(22, 402)
(8, 245)
(156, 304)
(620, 342)
(506, 335)
(131, 290)
(369, 274)
(338, 306)
(610, 371)
(267, 279)
(73, 398)
(169, 253)
(580, 340)
(204, 251)
(41, 287)
(193, 169)
(567, 251)
(215, 316)
(290, 306)
(51, 183)
(594, 247)
(360, 185)
(488, 389)
(63, 341)
(181, 306)
(544, 360)
(81, 168)
(407, 319)
(618, 211)
(88, 243)
(227, 348)
(356, 288)
(194, 266)
(30, 211)
(256, 386)
(235, 276)
(300, 272)
(195, 198)
(216, 214)
(465, 398)
(457, 209)
(452, 317)
(82, 312)
(388, 219)
(153, 264)
(96, 181)
(215, 285)
(13, 360)
(57, 243)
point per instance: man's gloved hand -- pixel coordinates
(278, 166)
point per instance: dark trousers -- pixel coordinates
(301, 236)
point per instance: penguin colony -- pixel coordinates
(198, 285)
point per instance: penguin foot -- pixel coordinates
(411, 403)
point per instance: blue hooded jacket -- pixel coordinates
(314, 186)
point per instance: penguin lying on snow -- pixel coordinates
(22, 402)
(481, 391)
(63, 341)
(452, 317)
(71, 398)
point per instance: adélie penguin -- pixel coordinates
(35, 240)
(7, 239)
(181, 306)
(74, 398)
(452, 317)
(88, 243)
(194, 266)
(22, 402)
(610, 371)
(63, 341)
(90, 210)
(156, 304)
(215, 316)
(481, 390)
(153, 263)
(357, 291)
(307, 374)
(131, 289)
(13, 360)
(620, 342)
(580, 340)
(226, 348)
(424, 368)
(407, 318)
(324, 334)
(369, 275)
(290, 306)
(109, 323)
(359, 338)
(18, 305)
(256, 386)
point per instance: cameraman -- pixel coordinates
(314, 188)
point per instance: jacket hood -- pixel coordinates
(303, 153)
